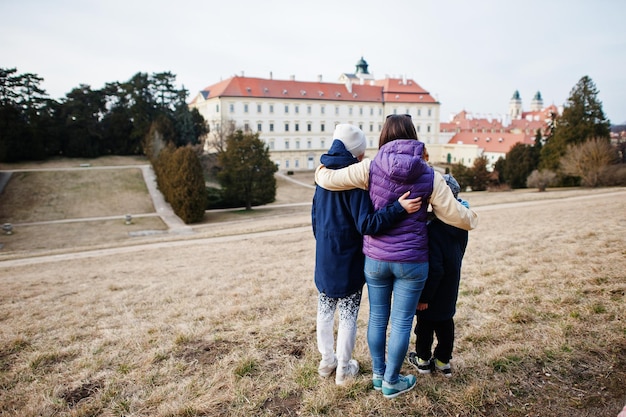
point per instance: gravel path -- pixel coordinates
(200, 241)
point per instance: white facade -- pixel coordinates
(454, 153)
(296, 120)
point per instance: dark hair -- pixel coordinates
(397, 126)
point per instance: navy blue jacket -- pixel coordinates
(446, 246)
(339, 219)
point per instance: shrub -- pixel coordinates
(541, 179)
(588, 160)
(462, 175)
(246, 171)
(187, 192)
(213, 198)
(613, 175)
(180, 179)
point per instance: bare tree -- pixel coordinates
(588, 160)
(216, 139)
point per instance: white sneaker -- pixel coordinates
(326, 369)
(350, 370)
(444, 368)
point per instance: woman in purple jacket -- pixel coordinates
(396, 261)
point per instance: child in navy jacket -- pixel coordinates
(437, 304)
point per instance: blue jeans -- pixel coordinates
(405, 281)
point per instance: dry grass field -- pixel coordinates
(98, 318)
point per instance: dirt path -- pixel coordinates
(148, 246)
(200, 241)
(290, 214)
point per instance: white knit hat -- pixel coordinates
(352, 137)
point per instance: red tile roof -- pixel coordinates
(528, 124)
(403, 91)
(542, 114)
(389, 90)
(529, 127)
(492, 142)
(463, 121)
(283, 89)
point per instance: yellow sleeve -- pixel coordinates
(448, 209)
(352, 176)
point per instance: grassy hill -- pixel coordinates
(222, 322)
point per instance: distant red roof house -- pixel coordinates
(492, 135)
(492, 142)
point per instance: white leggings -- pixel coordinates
(346, 334)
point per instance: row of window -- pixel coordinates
(309, 127)
(484, 130)
(271, 143)
(309, 109)
(488, 139)
(310, 160)
(287, 162)
(309, 144)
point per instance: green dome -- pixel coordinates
(361, 67)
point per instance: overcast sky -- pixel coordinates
(470, 55)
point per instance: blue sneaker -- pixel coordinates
(377, 381)
(404, 384)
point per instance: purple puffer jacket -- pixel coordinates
(399, 167)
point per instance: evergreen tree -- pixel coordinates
(521, 160)
(81, 112)
(89, 123)
(141, 106)
(480, 174)
(9, 87)
(52, 127)
(187, 187)
(539, 142)
(165, 96)
(32, 101)
(21, 101)
(247, 172)
(184, 124)
(117, 127)
(462, 174)
(200, 126)
(117, 123)
(12, 131)
(499, 167)
(582, 119)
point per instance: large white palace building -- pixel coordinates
(296, 119)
